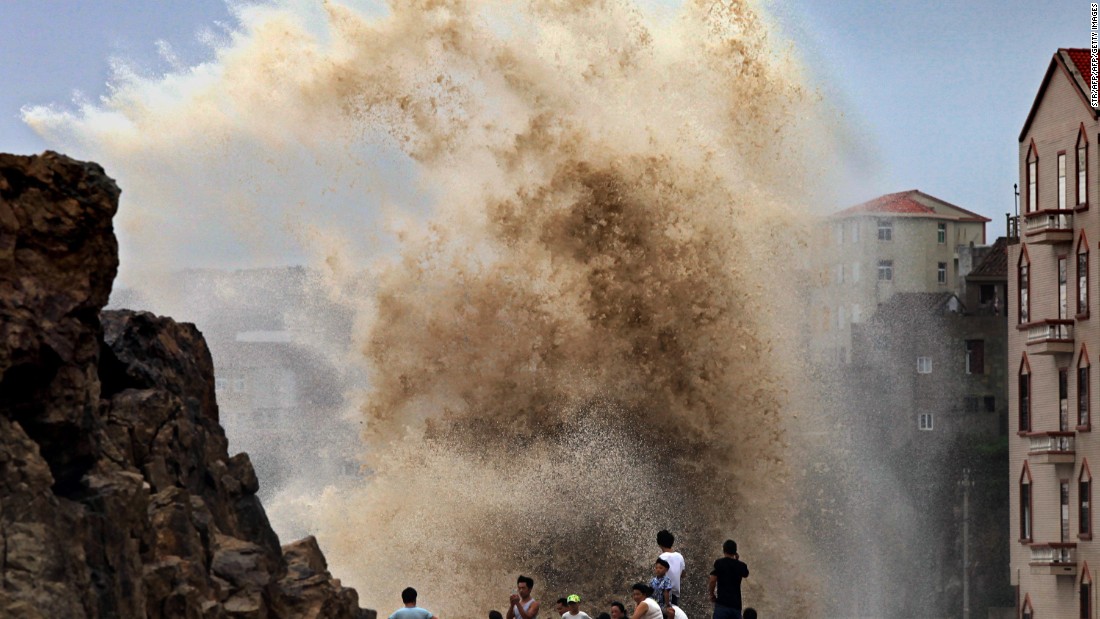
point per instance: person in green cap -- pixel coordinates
(575, 612)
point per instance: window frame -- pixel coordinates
(1082, 146)
(1084, 501)
(1023, 287)
(1063, 181)
(1027, 508)
(1084, 597)
(922, 361)
(968, 349)
(1082, 282)
(886, 226)
(1031, 202)
(941, 233)
(941, 273)
(925, 427)
(887, 267)
(1084, 409)
(1023, 402)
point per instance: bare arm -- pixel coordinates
(668, 597)
(639, 611)
(712, 586)
(528, 614)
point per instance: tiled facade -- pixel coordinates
(1051, 436)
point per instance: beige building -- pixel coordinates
(1052, 337)
(900, 242)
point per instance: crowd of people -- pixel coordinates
(658, 599)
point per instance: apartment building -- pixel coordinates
(1052, 338)
(900, 242)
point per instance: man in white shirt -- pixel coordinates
(675, 562)
(575, 611)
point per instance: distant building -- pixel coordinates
(926, 386)
(901, 242)
(1052, 340)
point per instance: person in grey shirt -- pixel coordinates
(411, 610)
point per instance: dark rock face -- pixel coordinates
(117, 496)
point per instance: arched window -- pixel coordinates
(1084, 501)
(1023, 386)
(1082, 276)
(1084, 418)
(1086, 592)
(1026, 611)
(1025, 505)
(1082, 168)
(1023, 286)
(1032, 204)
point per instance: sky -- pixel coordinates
(934, 94)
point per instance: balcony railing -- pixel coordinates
(1052, 226)
(1052, 448)
(1047, 337)
(1059, 559)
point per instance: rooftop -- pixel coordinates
(913, 202)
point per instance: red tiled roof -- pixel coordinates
(1082, 59)
(907, 203)
(900, 202)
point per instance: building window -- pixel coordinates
(924, 421)
(885, 270)
(1023, 386)
(856, 311)
(990, 403)
(839, 276)
(1025, 504)
(1061, 181)
(855, 231)
(1024, 287)
(924, 365)
(1082, 168)
(1063, 500)
(885, 230)
(855, 271)
(941, 233)
(1082, 276)
(1084, 502)
(838, 231)
(1063, 288)
(971, 403)
(1084, 422)
(1032, 179)
(975, 356)
(941, 272)
(1086, 592)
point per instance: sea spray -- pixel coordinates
(579, 330)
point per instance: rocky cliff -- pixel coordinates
(118, 497)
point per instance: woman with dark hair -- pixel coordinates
(647, 607)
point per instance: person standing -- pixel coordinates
(724, 583)
(411, 610)
(675, 562)
(521, 604)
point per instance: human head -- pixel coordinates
(574, 602)
(408, 596)
(750, 613)
(495, 614)
(524, 584)
(561, 606)
(660, 567)
(729, 547)
(618, 611)
(640, 591)
(665, 539)
(603, 616)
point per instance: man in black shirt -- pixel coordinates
(724, 584)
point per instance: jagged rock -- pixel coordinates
(118, 497)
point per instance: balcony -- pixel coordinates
(1049, 337)
(1048, 227)
(1052, 448)
(1054, 559)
